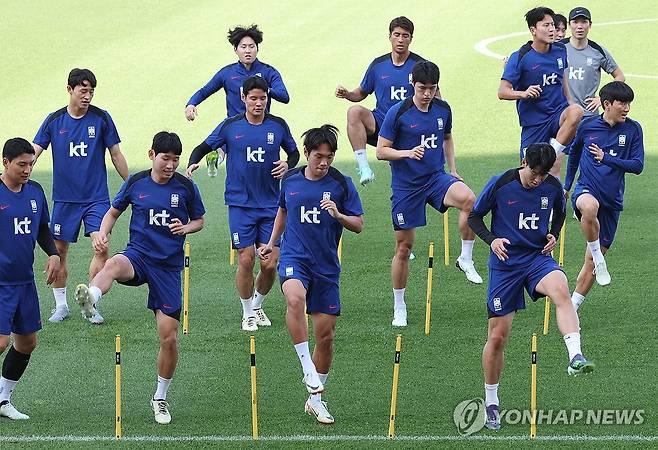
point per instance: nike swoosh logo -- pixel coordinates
(239, 136)
(383, 77)
(413, 126)
(536, 66)
(234, 77)
(294, 193)
(63, 131)
(511, 202)
(3, 207)
(142, 196)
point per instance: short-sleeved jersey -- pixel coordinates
(520, 215)
(154, 207)
(251, 153)
(231, 78)
(408, 127)
(527, 67)
(21, 216)
(390, 83)
(584, 74)
(78, 145)
(623, 151)
(311, 234)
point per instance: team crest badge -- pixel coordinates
(236, 238)
(590, 61)
(622, 140)
(174, 200)
(560, 63)
(410, 79)
(270, 138)
(289, 271)
(544, 203)
(497, 304)
(400, 217)
(57, 229)
(439, 122)
(33, 203)
(91, 131)
(326, 196)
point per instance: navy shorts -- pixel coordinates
(164, 285)
(505, 294)
(19, 309)
(250, 226)
(608, 219)
(67, 217)
(542, 132)
(322, 291)
(372, 138)
(408, 206)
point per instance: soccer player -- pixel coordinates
(252, 142)
(416, 138)
(586, 59)
(79, 134)
(606, 147)
(522, 202)
(316, 203)
(166, 206)
(245, 42)
(389, 77)
(533, 77)
(560, 27)
(23, 223)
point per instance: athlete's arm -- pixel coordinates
(178, 228)
(506, 91)
(387, 153)
(214, 85)
(47, 244)
(119, 161)
(449, 152)
(352, 223)
(565, 90)
(100, 240)
(355, 95)
(277, 89)
(277, 231)
(618, 75)
(38, 150)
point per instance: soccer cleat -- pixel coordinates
(411, 256)
(97, 319)
(580, 366)
(7, 410)
(313, 383)
(469, 269)
(59, 314)
(161, 411)
(261, 318)
(86, 302)
(602, 274)
(493, 418)
(399, 318)
(319, 411)
(367, 176)
(249, 324)
(211, 161)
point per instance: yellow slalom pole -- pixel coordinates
(340, 250)
(547, 314)
(394, 390)
(254, 401)
(563, 237)
(186, 290)
(446, 240)
(117, 387)
(428, 297)
(533, 388)
(231, 254)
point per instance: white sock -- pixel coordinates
(60, 297)
(6, 388)
(361, 158)
(398, 297)
(304, 355)
(559, 148)
(247, 308)
(577, 300)
(467, 250)
(96, 293)
(491, 394)
(258, 300)
(595, 250)
(317, 398)
(573, 344)
(161, 390)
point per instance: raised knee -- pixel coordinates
(354, 114)
(3, 346)
(575, 113)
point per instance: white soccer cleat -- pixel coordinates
(59, 314)
(469, 269)
(399, 318)
(411, 256)
(313, 383)
(85, 300)
(97, 319)
(367, 176)
(319, 411)
(261, 318)
(161, 411)
(249, 324)
(7, 410)
(602, 274)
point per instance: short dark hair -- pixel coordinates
(15, 147)
(558, 19)
(78, 76)
(238, 33)
(540, 157)
(425, 72)
(166, 142)
(537, 14)
(315, 137)
(254, 82)
(616, 90)
(403, 23)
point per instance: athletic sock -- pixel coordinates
(577, 300)
(247, 307)
(96, 294)
(491, 394)
(362, 158)
(595, 250)
(304, 355)
(258, 300)
(6, 388)
(467, 250)
(162, 388)
(317, 398)
(573, 344)
(559, 148)
(398, 298)
(60, 297)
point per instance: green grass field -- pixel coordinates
(149, 57)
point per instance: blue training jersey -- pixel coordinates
(21, 216)
(231, 78)
(78, 145)
(311, 234)
(623, 151)
(251, 153)
(520, 215)
(407, 126)
(390, 83)
(154, 206)
(527, 67)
